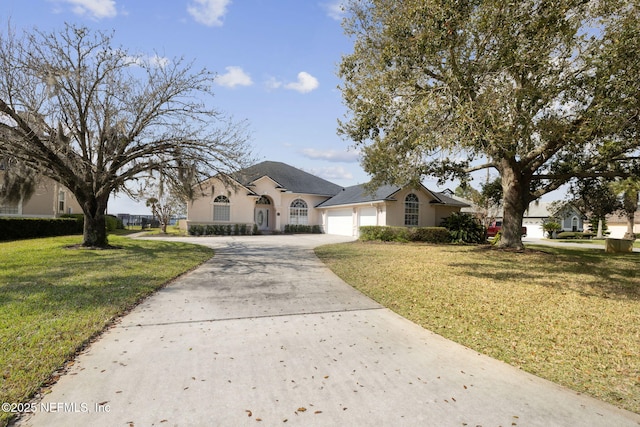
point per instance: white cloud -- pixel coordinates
(306, 83)
(96, 9)
(235, 76)
(331, 155)
(155, 60)
(273, 83)
(208, 12)
(332, 172)
(159, 61)
(335, 10)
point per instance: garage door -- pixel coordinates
(367, 216)
(340, 222)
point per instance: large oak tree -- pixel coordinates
(94, 117)
(543, 92)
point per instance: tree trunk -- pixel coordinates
(631, 219)
(95, 226)
(515, 200)
(599, 235)
(630, 204)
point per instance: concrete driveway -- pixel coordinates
(264, 335)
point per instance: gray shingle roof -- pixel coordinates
(289, 178)
(358, 194)
(296, 180)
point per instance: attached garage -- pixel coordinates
(340, 222)
(367, 216)
(357, 206)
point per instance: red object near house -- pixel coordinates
(496, 226)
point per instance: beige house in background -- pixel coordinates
(272, 195)
(617, 225)
(49, 201)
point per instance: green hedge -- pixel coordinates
(570, 235)
(111, 222)
(220, 230)
(405, 234)
(25, 228)
(299, 228)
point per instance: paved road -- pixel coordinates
(265, 335)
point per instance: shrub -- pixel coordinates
(221, 230)
(25, 228)
(430, 235)
(111, 222)
(196, 230)
(384, 233)
(405, 234)
(550, 227)
(570, 235)
(464, 228)
(301, 228)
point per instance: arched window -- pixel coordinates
(574, 223)
(411, 210)
(263, 200)
(298, 212)
(221, 209)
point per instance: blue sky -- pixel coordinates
(276, 62)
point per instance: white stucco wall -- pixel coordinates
(242, 203)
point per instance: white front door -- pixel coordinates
(262, 218)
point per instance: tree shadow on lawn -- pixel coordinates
(606, 275)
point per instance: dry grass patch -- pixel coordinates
(568, 315)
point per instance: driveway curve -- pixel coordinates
(263, 334)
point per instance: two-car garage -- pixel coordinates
(346, 222)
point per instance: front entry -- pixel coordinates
(262, 218)
(261, 213)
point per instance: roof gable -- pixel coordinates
(358, 194)
(287, 177)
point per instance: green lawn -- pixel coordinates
(570, 315)
(54, 299)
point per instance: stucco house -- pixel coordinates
(567, 215)
(617, 225)
(274, 194)
(50, 200)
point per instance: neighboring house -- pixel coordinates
(481, 213)
(50, 200)
(273, 194)
(568, 216)
(617, 225)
